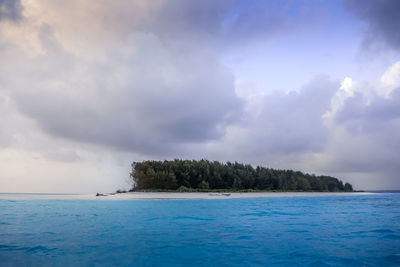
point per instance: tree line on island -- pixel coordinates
(204, 175)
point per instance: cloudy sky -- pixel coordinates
(87, 87)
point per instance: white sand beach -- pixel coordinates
(177, 195)
(207, 195)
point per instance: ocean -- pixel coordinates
(362, 230)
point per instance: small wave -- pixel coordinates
(244, 237)
(32, 250)
(393, 258)
(39, 249)
(192, 218)
(392, 237)
(9, 248)
(297, 231)
(36, 249)
(49, 233)
(383, 231)
(258, 213)
(283, 213)
(380, 231)
(157, 219)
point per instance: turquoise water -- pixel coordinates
(319, 231)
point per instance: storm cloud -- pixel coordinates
(376, 119)
(289, 123)
(382, 19)
(130, 102)
(150, 88)
(10, 10)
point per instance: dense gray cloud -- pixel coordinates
(377, 120)
(376, 115)
(178, 23)
(128, 101)
(152, 89)
(10, 10)
(222, 23)
(292, 123)
(185, 21)
(382, 18)
(281, 126)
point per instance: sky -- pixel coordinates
(87, 87)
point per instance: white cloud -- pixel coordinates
(347, 89)
(390, 80)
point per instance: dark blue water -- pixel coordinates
(319, 231)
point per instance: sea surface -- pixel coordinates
(359, 230)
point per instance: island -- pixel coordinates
(213, 176)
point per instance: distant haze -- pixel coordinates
(87, 87)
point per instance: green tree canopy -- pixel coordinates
(210, 175)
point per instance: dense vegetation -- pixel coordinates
(205, 175)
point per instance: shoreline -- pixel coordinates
(178, 195)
